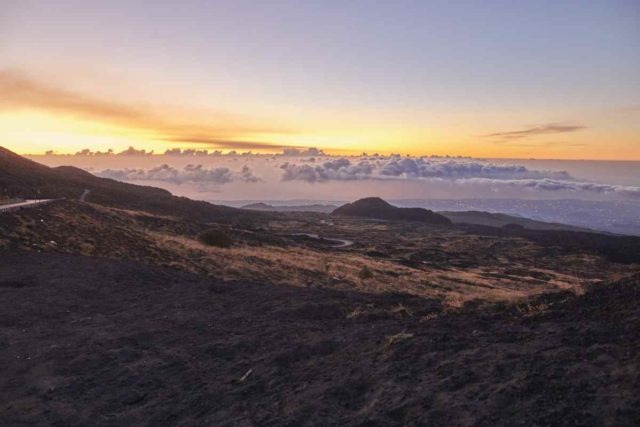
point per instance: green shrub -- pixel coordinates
(216, 237)
(365, 273)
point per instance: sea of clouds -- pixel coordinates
(313, 167)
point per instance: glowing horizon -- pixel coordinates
(511, 81)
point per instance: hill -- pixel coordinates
(24, 178)
(294, 208)
(376, 208)
(501, 220)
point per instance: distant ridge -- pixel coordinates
(24, 178)
(376, 208)
(290, 208)
(503, 220)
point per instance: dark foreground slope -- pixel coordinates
(86, 341)
(24, 178)
(376, 208)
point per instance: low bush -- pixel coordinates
(365, 273)
(216, 237)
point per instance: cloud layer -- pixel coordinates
(444, 174)
(195, 174)
(547, 184)
(458, 171)
(396, 167)
(337, 169)
(190, 152)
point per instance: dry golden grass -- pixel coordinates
(301, 266)
(98, 231)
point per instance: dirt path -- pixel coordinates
(84, 195)
(25, 204)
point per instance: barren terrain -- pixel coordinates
(89, 341)
(134, 307)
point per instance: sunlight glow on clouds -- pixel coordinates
(36, 117)
(410, 168)
(197, 174)
(76, 113)
(311, 167)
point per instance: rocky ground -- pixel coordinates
(89, 341)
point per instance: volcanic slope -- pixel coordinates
(103, 342)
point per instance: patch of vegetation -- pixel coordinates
(216, 237)
(365, 273)
(394, 339)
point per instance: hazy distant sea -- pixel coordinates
(609, 172)
(615, 216)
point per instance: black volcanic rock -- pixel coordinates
(376, 208)
(139, 345)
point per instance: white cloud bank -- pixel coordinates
(458, 171)
(287, 174)
(547, 184)
(196, 174)
(410, 168)
(338, 169)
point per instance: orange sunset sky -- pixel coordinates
(523, 81)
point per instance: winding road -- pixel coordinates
(25, 204)
(341, 243)
(85, 193)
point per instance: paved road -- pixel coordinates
(340, 243)
(25, 204)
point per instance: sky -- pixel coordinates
(492, 79)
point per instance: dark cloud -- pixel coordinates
(18, 91)
(551, 128)
(226, 143)
(191, 152)
(131, 151)
(135, 152)
(21, 92)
